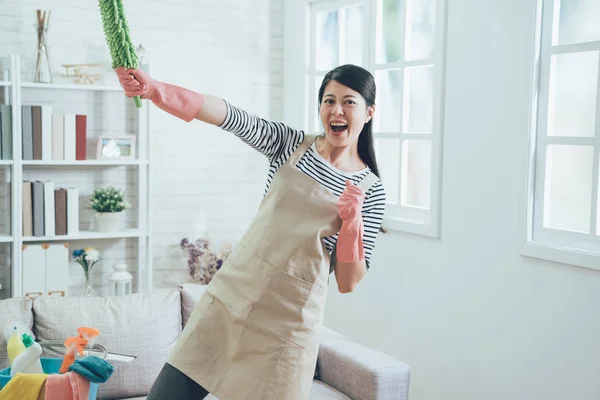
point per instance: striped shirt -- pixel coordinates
(278, 141)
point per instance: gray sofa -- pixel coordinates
(147, 325)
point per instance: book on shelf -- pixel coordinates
(60, 211)
(27, 133)
(53, 136)
(5, 132)
(27, 210)
(49, 211)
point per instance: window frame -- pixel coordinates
(298, 51)
(540, 242)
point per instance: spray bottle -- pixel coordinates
(74, 345)
(89, 334)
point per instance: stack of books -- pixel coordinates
(51, 136)
(48, 211)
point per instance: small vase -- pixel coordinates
(108, 222)
(88, 290)
(43, 73)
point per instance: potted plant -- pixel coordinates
(109, 204)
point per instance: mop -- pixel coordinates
(116, 31)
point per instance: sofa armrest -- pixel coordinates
(359, 372)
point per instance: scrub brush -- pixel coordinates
(116, 31)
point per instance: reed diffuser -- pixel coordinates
(43, 72)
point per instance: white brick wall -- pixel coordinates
(204, 179)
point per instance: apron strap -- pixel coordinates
(301, 149)
(368, 181)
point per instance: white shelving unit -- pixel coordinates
(16, 169)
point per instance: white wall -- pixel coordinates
(204, 179)
(474, 319)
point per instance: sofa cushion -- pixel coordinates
(145, 325)
(190, 295)
(13, 310)
(322, 391)
(319, 391)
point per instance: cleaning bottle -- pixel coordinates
(14, 344)
(29, 360)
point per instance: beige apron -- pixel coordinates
(254, 334)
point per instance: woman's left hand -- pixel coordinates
(350, 202)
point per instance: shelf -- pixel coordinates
(95, 163)
(86, 235)
(60, 94)
(71, 86)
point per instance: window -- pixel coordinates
(401, 43)
(563, 219)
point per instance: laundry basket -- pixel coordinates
(50, 366)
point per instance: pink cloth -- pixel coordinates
(350, 247)
(69, 386)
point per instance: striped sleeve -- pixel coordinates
(372, 213)
(275, 140)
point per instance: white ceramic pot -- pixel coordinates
(108, 222)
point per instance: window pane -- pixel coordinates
(598, 205)
(389, 101)
(420, 29)
(418, 100)
(387, 151)
(572, 94)
(317, 125)
(416, 173)
(579, 21)
(307, 110)
(353, 35)
(390, 30)
(568, 187)
(327, 40)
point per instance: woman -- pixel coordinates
(255, 332)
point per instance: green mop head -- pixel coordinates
(116, 31)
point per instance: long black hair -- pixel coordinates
(360, 80)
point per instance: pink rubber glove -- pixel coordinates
(350, 244)
(180, 102)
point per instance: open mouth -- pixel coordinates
(338, 127)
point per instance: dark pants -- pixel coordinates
(172, 384)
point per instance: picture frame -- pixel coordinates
(116, 147)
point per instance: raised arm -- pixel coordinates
(270, 138)
(180, 102)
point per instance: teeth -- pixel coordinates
(338, 124)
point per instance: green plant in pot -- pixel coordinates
(109, 204)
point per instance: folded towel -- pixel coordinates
(69, 386)
(93, 368)
(24, 387)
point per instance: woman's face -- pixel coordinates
(343, 113)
